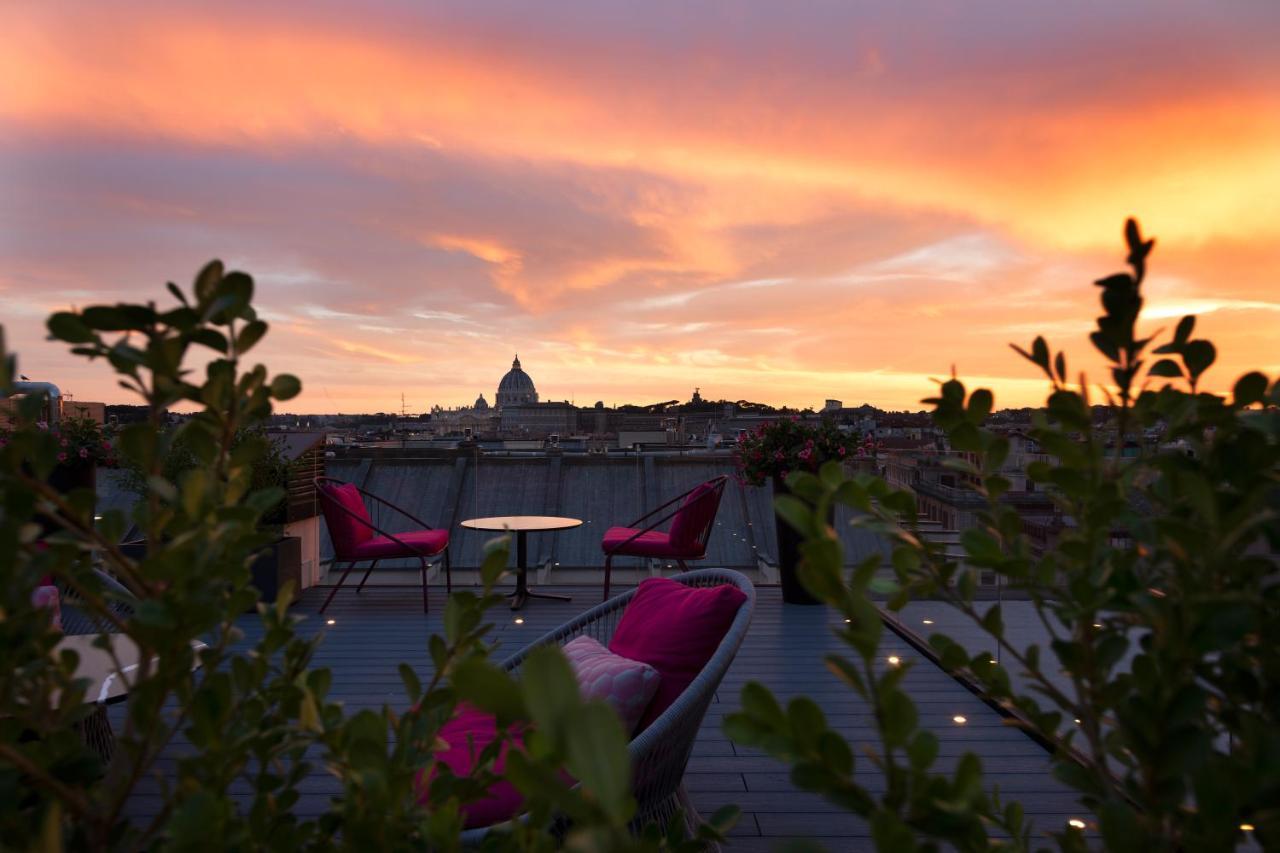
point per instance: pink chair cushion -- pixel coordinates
(467, 734)
(426, 541)
(651, 544)
(696, 512)
(345, 531)
(675, 629)
(627, 685)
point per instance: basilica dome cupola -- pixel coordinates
(516, 387)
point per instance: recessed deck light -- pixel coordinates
(959, 719)
(928, 621)
(1246, 827)
(1076, 823)
(894, 660)
(331, 621)
(519, 620)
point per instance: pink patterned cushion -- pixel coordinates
(627, 685)
(675, 629)
(47, 596)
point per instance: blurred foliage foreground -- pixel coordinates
(1159, 690)
(257, 715)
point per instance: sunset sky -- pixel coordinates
(780, 201)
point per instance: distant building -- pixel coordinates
(539, 419)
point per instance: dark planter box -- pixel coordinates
(276, 564)
(793, 591)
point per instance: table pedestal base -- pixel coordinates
(522, 592)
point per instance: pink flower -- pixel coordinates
(842, 451)
(778, 456)
(62, 457)
(806, 454)
(106, 445)
(42, 425)
(64, 442)
(84, 453)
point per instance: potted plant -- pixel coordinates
(79, 446)
(770, 453)
(281, 559)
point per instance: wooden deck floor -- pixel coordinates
(373, 632)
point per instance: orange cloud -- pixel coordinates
(792, 208)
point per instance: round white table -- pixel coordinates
(109, 683)
(522, 525)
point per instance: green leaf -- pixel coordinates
(1166, 367)
(412, 684)
(250, 335)
(1186, 326)
(285, 387)
(980, 404)
(1199, 355)
(489, 688)
(66, 326)
(207, 281)
(598, 758)
(550, 690)
(1249, 389)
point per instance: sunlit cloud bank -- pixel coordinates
(765, 202)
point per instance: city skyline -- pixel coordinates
(776, 204)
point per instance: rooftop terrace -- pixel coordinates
(373, 632)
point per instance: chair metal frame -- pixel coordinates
(423, 557)
(717, 492)
(659, 753)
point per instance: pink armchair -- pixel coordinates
(686, 539)
(356, 539)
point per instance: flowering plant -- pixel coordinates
(790, 444)
(82, 441)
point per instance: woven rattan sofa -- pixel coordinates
(659, 753)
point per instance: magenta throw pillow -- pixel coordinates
(467, 734)
(675, 629)
(347, 532)
(696, 512)
(627, 685)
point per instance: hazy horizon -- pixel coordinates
(774, 202)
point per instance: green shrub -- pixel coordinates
(1170, 557)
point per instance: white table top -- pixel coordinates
(522, 522)
(109, 684)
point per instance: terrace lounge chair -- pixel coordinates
(660, 751)
(691, 524)
(356, 539)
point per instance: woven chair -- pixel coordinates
(691, 524)
(77, 620)
(95, 729)
(659, 753)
